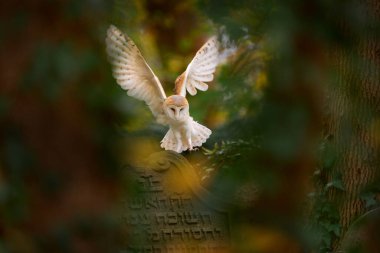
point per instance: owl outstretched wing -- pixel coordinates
(132, 72)
(200, 69)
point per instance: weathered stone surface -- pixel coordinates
(168, 210)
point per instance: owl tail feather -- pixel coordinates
(199, 135)
(169, 142)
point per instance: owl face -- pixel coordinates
(176, 107)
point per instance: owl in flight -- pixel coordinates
(133, 74)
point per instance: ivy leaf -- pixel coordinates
(335, 228)
(369, 198)
(329, 157)
(338, 184)
(326, 239)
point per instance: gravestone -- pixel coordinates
(168, 211)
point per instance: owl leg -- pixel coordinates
(179, 142)
(190, 144)
(188, 140)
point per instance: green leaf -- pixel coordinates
(326, 239)
(338, 184)
(328, 156)
(336, 230)
(369, 199)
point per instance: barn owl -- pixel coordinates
(133, 74)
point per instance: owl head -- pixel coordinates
(176, 107)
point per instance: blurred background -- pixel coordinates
(294, 110)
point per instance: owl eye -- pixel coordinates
(173, 110)
(181, 109)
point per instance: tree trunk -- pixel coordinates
(353, 116)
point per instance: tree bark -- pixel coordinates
(353, 115)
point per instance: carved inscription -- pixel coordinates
(163, 219)
(159, 202)
(176, 248)
(185, 234)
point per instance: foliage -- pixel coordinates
(325, 215)
(223, 156)
(370, 195)
(68, 129)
